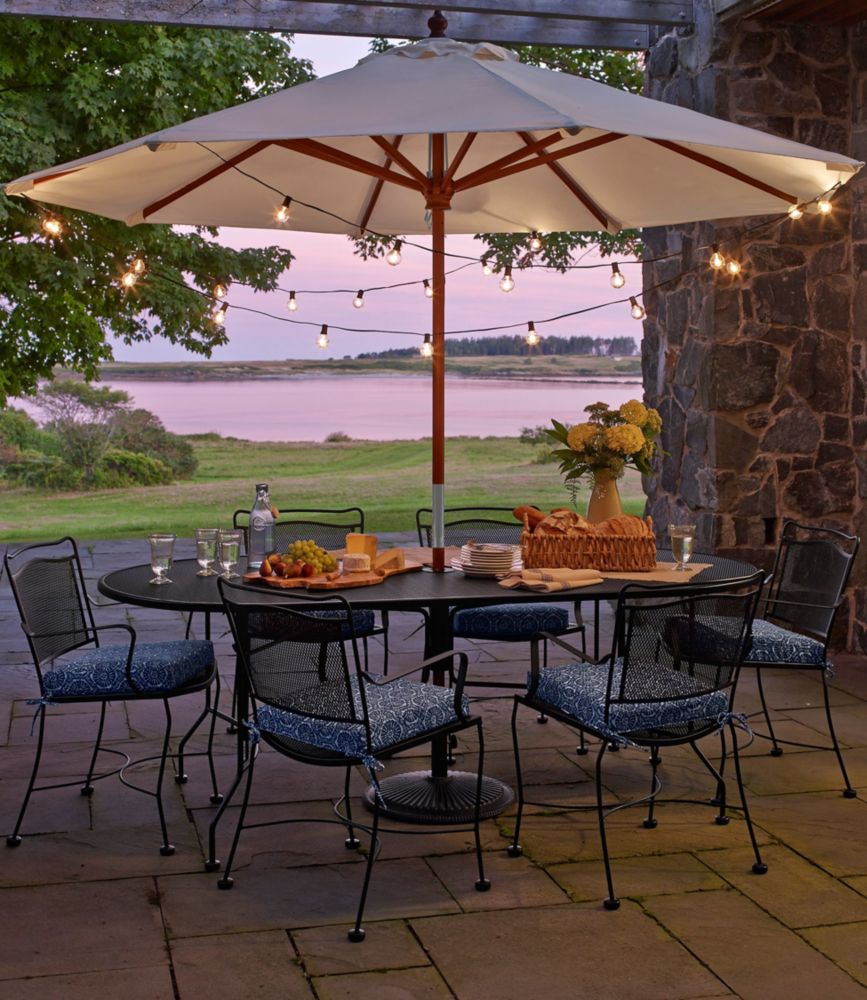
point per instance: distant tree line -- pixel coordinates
(516, 346)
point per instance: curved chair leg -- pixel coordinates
(611, 902)
(226, 882)
(483, 884)
(14, 838)
(212, 863)
(759, 866)
(384, 619)
(514, 849)
(352, 843)
(776, 750)
(651, 822)
(581, 749)
(357, 932)
(87, 787)
(719, 798)
(166, 848)
(723, 755)
(848, 791)
(216, 798)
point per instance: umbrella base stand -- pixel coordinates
(418, 797)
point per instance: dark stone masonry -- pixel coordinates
(761, 379)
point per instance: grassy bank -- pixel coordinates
(388, 479)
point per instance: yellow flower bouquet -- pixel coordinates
(608, 442)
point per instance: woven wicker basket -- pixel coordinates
(616, 553)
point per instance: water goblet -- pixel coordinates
(206, 550)
(682, 537)
(162, 550)
(228, 553)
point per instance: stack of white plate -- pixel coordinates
(488, 559)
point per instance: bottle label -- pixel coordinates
(258, 522)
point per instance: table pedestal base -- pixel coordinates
(418, 797)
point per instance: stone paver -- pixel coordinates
(150, 983)
(389, 945)
(402, 984)
(844, 944)
(637, 877)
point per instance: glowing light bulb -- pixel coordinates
(219, 314)
(128, 279)
(428, 288)
(393, 256)
(716, 258)
(636, 308)
(283, 212)
(426, 349)
(358, 301)
(536, 242)
(824, 206)
(507, 282)
(733, 267)
(617, 279)
(292, 304)
(322, 339)
(219, 290)
(487, 270)
(52, 226)
(795, 212)
(138, 266)
(532, 338)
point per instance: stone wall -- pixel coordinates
(762, 379)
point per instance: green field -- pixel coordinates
(388, 479)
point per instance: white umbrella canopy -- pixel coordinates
(445, 137)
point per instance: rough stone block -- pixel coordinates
(738, 376)
(795, 431)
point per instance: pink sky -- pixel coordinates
(326, 262)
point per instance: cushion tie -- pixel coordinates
(41, 704)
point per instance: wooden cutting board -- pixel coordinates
(334, 580)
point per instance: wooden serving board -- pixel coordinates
(332, 581)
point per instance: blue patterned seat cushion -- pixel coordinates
(156, 666)
(578, 689)
(509, 621)
(773, 644)
(398, 711)
(363, 621)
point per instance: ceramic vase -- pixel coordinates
(604, 499)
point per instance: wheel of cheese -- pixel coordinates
(356, 562)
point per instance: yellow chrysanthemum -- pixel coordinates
(654, 422)
(626, 439)
(634, 412)
(580, 436)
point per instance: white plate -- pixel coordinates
(489, 574)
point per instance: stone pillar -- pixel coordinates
(761, 380)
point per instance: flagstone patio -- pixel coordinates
(90, 908)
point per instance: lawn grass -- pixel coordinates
(388, 479)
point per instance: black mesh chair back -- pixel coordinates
(327, 527)
(811, 570)
(480, 524)
(50, 594)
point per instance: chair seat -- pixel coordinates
(363, 622)
(509, 621)
(401, 710)
(578, 690)
(774, 644)
(156, 666)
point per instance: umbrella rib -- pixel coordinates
(227, 164)
(400, 159)
(573, 186)
(481, 175)
(320, 151)
(464, 148)
(377, 190)
(724, 168)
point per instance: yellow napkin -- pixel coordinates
(547, 581)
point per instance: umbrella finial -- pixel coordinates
(437, 25)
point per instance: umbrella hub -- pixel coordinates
(439, 195)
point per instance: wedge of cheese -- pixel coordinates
(389, 560)
(365, 544)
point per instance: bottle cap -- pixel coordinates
(261, 486)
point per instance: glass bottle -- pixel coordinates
(260, 540)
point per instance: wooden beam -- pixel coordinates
(510, 24)
(572, 185)
(322, 151)
(376, 192)
(397, 157)
(732, 10)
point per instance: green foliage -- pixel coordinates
(35, 470)
(71, 88)
(509, 345)
(337, 437)
(143, 432)
(82, 417)
(20, 432)
(127, 468)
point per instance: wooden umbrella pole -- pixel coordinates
(438, 201)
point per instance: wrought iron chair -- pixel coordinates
(805, 589)
(312, 702)
(501, 622)
(329, 528)
(56, 616)
(670, 680)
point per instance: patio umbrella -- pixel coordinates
(445, 137)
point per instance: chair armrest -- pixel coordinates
(550, 637)
(801, 604)
(130, 651)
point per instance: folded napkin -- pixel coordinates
(547, 581)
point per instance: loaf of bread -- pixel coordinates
(624, 524)
(562, 522)
(532, 514)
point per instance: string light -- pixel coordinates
(636, 308)
(733, 267)
(393, 256)
(487, 269)
(52, 226)
(426, 349)
(292, 304)
(358, 301)
(824, 206)
(795, 212)
(219, 290)
(617, 279)
(428, 288)
(128, 279)
(322, 339)
(507, 282)
(218, 316)
(536, 242)
(716, 258)
(139, 267)
(532, 338)
(282, 213)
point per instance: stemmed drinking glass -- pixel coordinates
(682, 537)
(228, 553)
(162, 550)
(206, 550)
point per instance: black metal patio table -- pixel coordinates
(437, 796)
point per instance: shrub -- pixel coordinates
(33, 469)
(143, 431)
(337, 436)
(129, 468)
(21, 432)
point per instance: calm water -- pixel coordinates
(368, 407)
